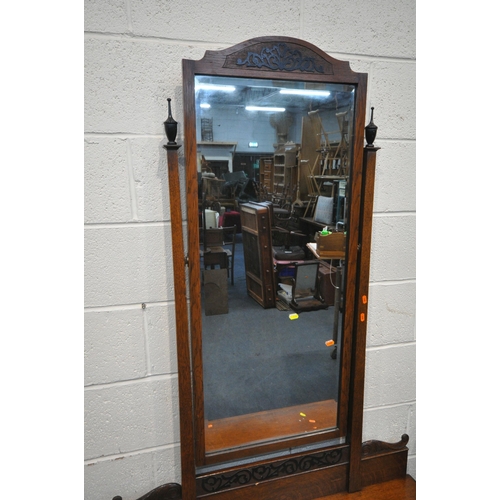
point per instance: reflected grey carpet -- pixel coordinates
(257, 359)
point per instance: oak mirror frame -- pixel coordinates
(259, 72)
(312, 462)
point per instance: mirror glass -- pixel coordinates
(278, 152)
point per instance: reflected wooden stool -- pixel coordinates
(215, 262)
(215, 256)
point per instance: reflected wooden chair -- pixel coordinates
(285, 239)
(215, 251)
(230, 242)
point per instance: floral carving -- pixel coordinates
(262, 472)
(281, 57)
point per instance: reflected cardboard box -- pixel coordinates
(330, 246)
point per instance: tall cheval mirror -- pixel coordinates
(279, 193)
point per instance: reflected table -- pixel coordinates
(337, 285)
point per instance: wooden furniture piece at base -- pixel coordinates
(298, 477)
(322, 476)
(396, 489)
(404, 488)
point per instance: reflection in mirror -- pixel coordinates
(274, 158)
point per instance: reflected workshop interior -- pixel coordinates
(274, 159)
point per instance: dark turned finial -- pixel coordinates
(170, 126)
(371, 132)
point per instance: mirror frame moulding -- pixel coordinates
(284, 59)
(314, 472)
(308, 67)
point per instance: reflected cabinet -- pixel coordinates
(271, 284)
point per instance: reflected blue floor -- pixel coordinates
(257, 359)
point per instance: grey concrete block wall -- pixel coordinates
(133, 52)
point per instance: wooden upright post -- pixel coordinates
(181, 314)
(360, 318)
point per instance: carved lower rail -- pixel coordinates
(227, 480)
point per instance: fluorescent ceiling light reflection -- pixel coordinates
(263, 108)
(204, 105)
(314, 93)
(212, 86)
